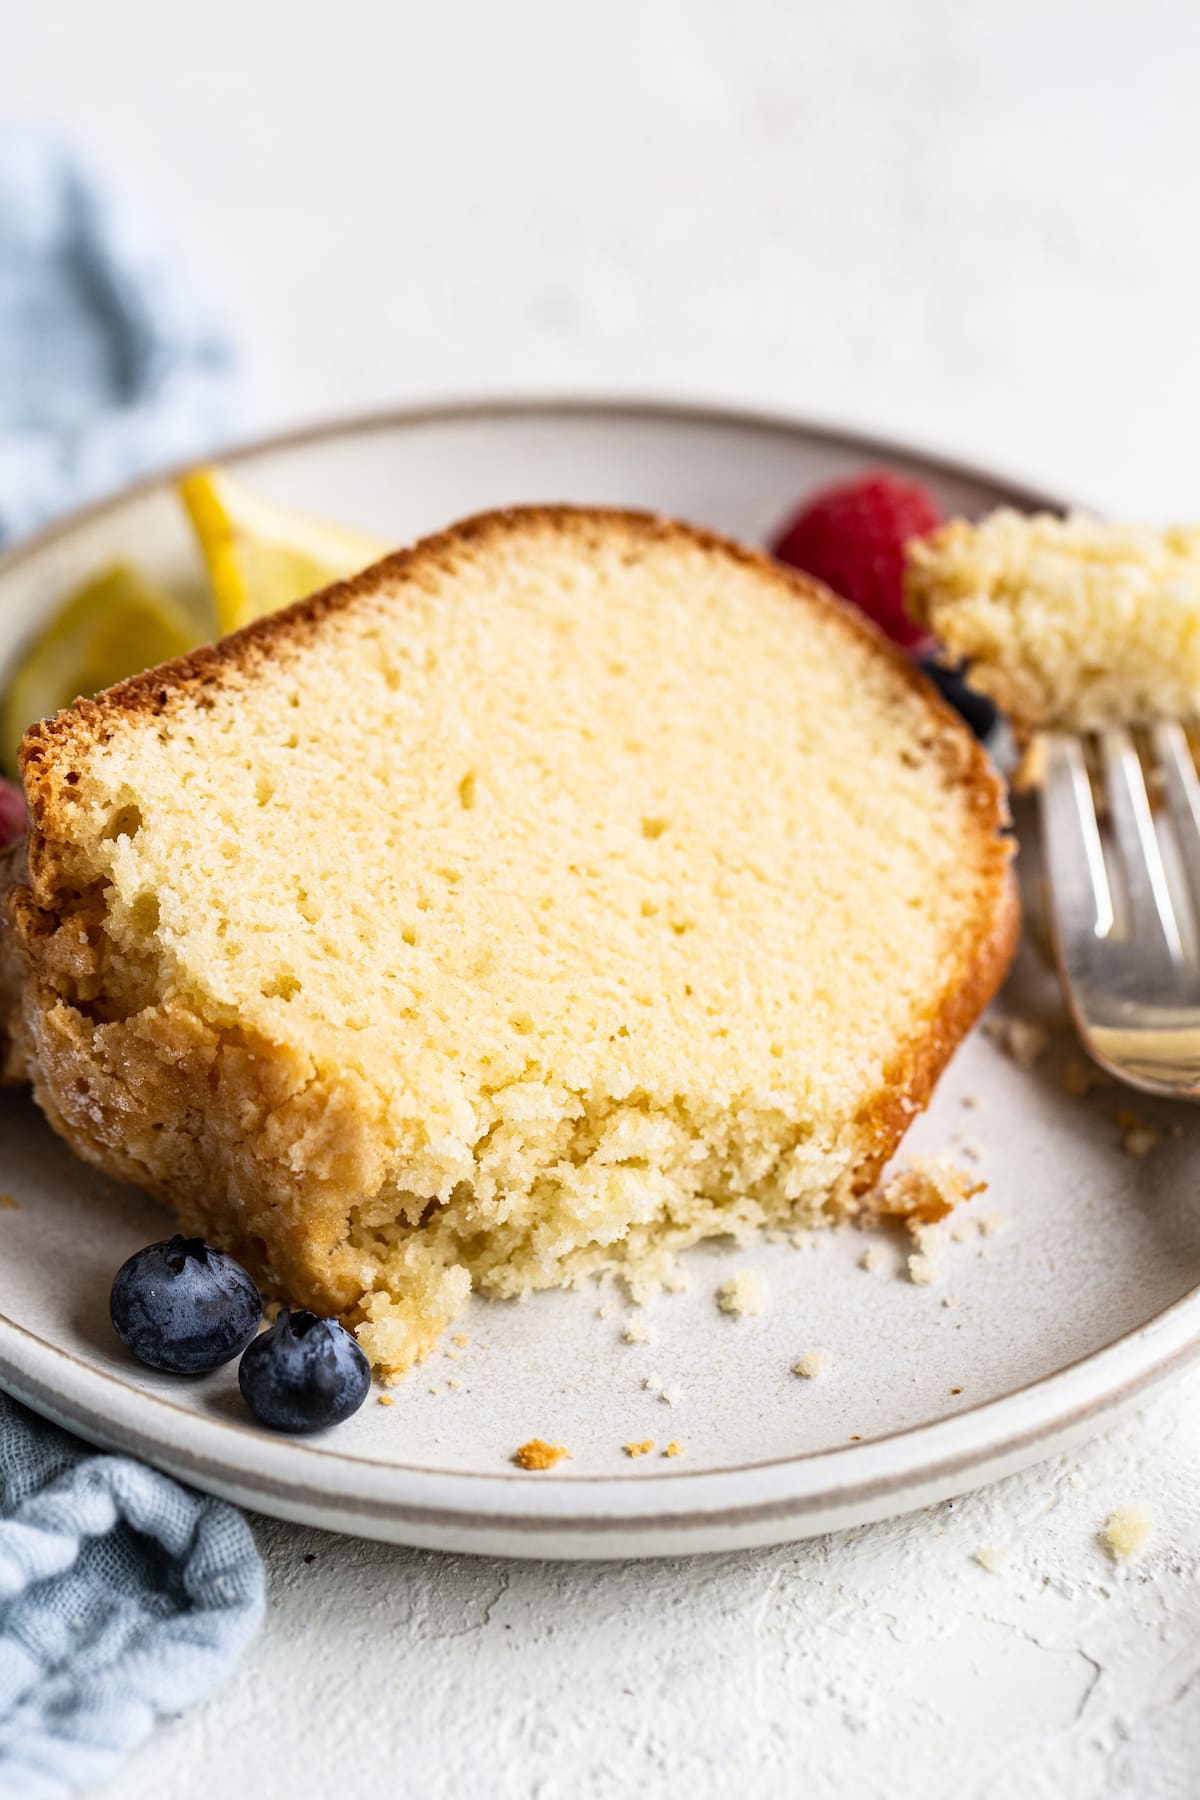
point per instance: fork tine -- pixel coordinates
(1151, 914)
(1071, 847)
(1183, 799)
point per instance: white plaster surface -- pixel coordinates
(972, 222)
(880, 1662)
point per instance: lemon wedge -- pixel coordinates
(116, 623)
(261, 555)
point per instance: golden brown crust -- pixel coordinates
(14, 873)
(916, 1070)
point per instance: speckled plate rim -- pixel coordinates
(560, 1514)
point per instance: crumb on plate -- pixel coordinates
(1024, 1040)
(925, 1190)
(538, 1454)
(992, 1557)
(640, 1449)
(674, 1448)
(1137, 1138)
(743, 1294)
(638, 1332)
(812, 1364)
(1079, 1077)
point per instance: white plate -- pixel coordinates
(1079, 1304)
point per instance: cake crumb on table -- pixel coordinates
(812, 1364)
(538, 1454)
(992, 1557)
(674, 1448)
(641, 1449)
(460, 1340)
(1125, 1532)
(386, 1400)
(951, 1300)
(671, 1396)
(743, 1294)
(638, 1332)
(652, 1382)
(874, 1259)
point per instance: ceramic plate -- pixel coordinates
(1032, 1336)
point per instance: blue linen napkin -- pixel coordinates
(122, 1595)
(110, 361)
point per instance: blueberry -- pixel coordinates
(303, 1374)
(951, 683)
(184, 1307)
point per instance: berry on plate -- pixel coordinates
(951, 683)
(852, 535)
(303, 1374)
(184, 1307)
(14, 820)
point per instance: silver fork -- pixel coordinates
(1123, 882)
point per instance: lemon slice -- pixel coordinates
(114, 625)
(261, 555)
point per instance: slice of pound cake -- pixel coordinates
(561, 891)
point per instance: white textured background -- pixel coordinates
(975, 223)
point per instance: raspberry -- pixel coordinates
(851, 536)
(13, 821)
